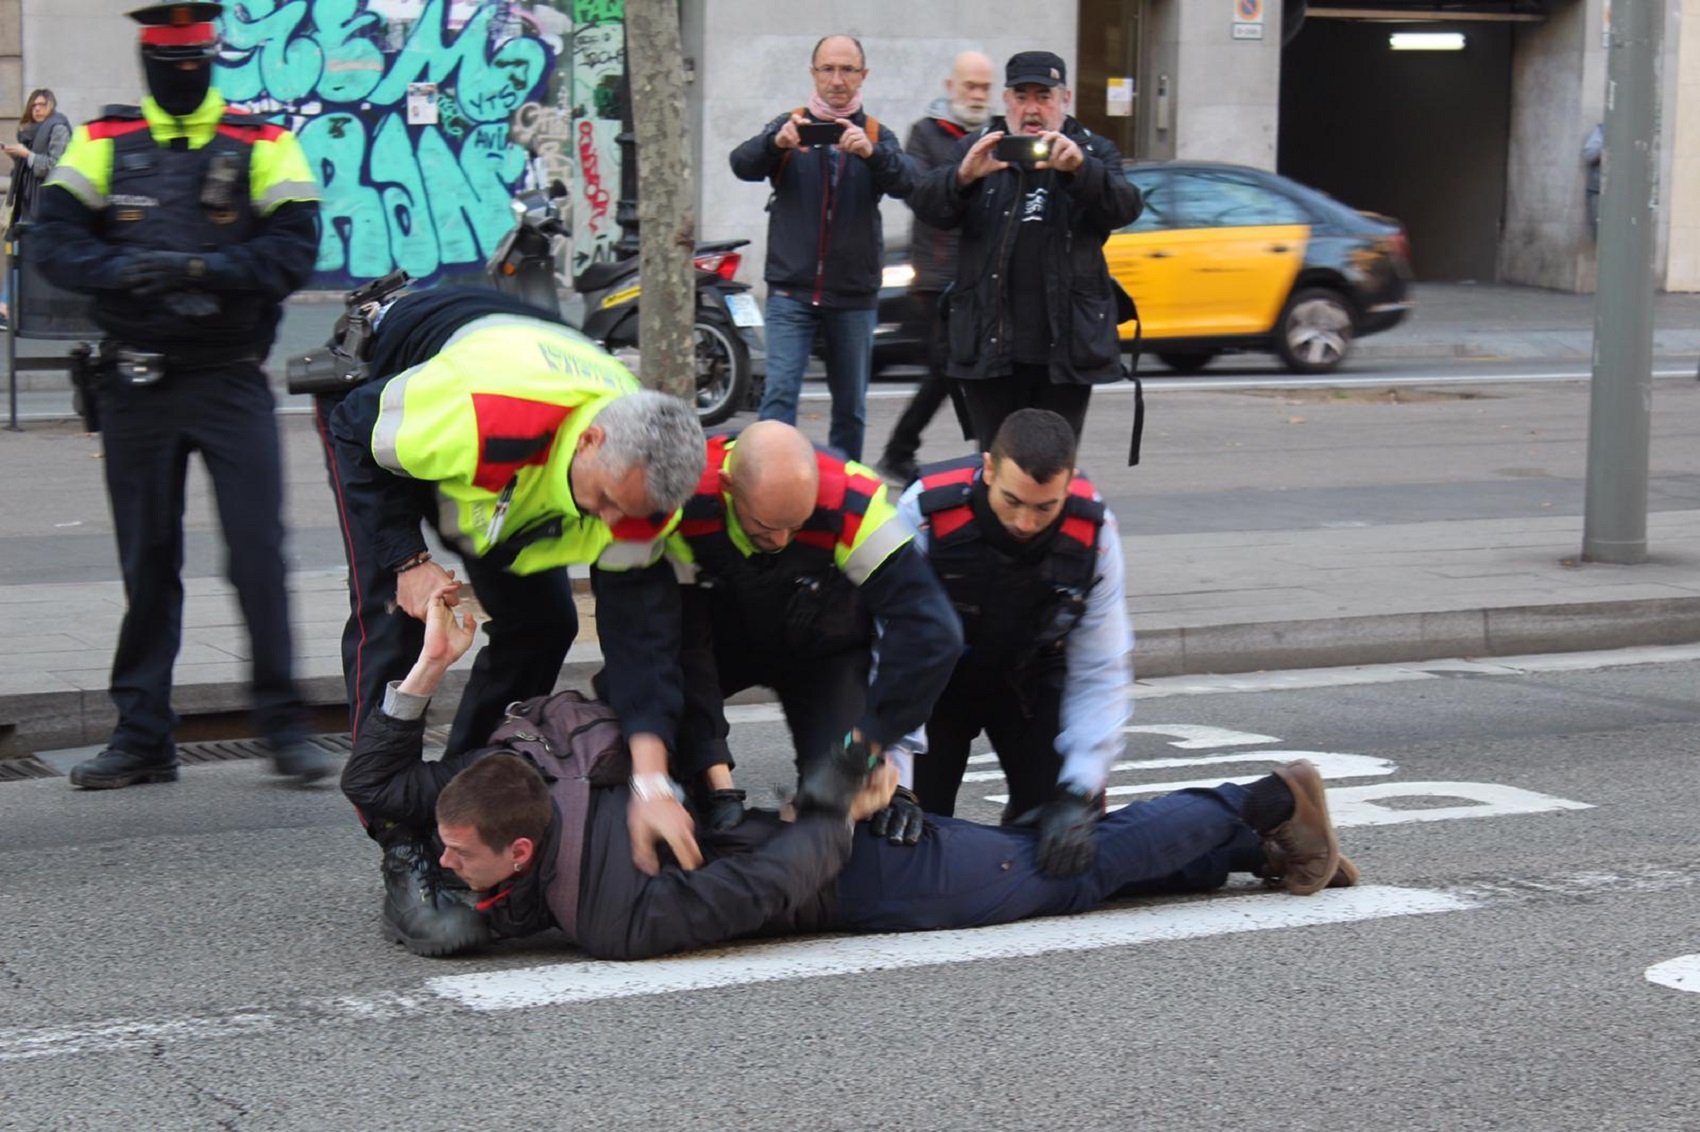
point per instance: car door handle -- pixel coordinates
(1157, 255)
(1279, 248)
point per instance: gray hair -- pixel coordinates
(661, 434)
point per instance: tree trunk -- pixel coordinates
(666, 220)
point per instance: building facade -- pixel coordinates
(424, 117)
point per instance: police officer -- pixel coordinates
(795, 558)
(528, 448)
(1032, 560)
(189, 226)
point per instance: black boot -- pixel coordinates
(301, 758)
(113, 768)
(418, 913)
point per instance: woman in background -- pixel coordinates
(43, 134)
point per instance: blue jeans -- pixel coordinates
(964, 875)
(791, 325)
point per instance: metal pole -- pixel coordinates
(1620, 404)
(13, 307)
(626, 208)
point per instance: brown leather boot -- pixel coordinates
(1306, 841)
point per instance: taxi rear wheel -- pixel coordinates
(1186, 361)
(1315, 333)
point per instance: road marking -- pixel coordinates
(1295, 679)
(1362, 805)
(1681, 973)
(1328, 763)
(562, 983)
(888, 391)
(445, 996)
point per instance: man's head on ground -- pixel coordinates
(1028, 470)
(643, 455)
(178, 43)
(493, 817)
(1035, 97)
(839, 68)
(773, 480)
(970, 88)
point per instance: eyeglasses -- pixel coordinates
(833, 72)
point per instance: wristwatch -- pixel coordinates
(649, 787)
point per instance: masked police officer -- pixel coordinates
(1032, 560)
(189, 226)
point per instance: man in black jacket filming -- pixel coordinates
(503, 824)
(1032, 318)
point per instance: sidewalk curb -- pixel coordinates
(31, 722)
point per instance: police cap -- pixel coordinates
(179, 31)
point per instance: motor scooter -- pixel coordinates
(730, 351)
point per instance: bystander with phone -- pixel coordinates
(828, 163)
(1032, 319)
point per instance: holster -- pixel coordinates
(85, 386)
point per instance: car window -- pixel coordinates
(1156, 187)
(1210, 198)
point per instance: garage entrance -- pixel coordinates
(1421, 135)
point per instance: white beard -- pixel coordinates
(970, 116)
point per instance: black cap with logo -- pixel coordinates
(1041, 67)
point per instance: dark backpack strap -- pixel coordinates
(1138, 436)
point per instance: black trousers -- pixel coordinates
(905, 439)
(532, 625)
(991, 399)
(148, 433)
(822, 697)
(1022, 729)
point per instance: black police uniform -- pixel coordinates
(185, 267)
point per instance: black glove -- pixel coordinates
(1066, 827)
(149, 273)
(721, 809)
(901, 821)
(190, 304)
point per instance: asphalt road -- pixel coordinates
(206, 955)
(1246, 449)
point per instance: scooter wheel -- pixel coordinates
(723, 370)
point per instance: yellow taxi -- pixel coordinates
(1226, 258)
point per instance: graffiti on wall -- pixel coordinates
(423, 118)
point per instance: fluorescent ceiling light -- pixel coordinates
(1426, 41)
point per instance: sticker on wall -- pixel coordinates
(1119, 93)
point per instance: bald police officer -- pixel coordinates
(189, 225)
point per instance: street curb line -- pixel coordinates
(37, 721)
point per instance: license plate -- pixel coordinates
(744, 309)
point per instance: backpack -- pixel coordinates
(576, 744)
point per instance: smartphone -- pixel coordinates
(1022, 149)
(819, 133)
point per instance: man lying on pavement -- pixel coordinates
(528, 826)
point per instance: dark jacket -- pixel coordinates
(761, 877)
(1093, 202)
(122, 187)
(825, 242)
(932, 251)
(46, 140)
(644, 692)
(851, 578)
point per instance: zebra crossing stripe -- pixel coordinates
(561, 983)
